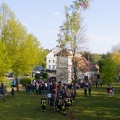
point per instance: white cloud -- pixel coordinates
(56, 13)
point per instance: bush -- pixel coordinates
(25, 81)
(37, 76)
(44, 75)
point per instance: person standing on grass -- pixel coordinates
(96, 83)
(43, 104)
(12, 92)
(89, 90)
(85, 91)
(49, 97)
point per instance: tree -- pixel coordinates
(108, 70)
(5, 15)
(95, 58)
(116, 48)
(116, 58)
(22, 48)
(42, 56)
(4, 61)
(72, 33)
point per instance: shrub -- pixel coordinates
(25, 81)
(44, 75)
(37, 76)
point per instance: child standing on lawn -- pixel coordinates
(12, 92)
(89, 90)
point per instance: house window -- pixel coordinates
(54, 55)
(53, 67)
(49, 67)
(49, 61)
(53, 61)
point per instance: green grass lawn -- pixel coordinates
(99, 106)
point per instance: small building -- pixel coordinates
(87, 70)
(64, 66)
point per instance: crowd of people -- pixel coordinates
(58, 96)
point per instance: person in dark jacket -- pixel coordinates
(89, 90)
(12, 92)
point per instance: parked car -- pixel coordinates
(10, 75)
(13, 84)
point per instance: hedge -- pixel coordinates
(25, 81)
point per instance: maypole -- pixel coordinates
(70, 30)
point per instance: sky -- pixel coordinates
(44, 17)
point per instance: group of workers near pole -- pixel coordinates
(58, 101)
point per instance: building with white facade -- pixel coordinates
(51, 58)
(61, 61)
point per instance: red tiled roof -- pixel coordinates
(86, 66)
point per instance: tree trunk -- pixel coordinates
(16, 78)
(75, 93)
(75, 78)
(3, 90)
(74, 71)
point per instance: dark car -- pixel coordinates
(10, 75)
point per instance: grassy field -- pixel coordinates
(99, 106)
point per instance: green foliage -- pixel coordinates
(116, 58)
(19, 50)
(108, 70)
(37, 76)
(4, 60)
(25, 81)
(45, 75)
(42, 55)
(5, 15)
(101, 64)
(95, 58)
(71, 32)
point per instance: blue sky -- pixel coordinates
(43, 18)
